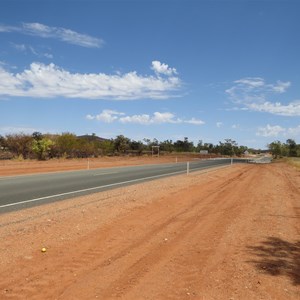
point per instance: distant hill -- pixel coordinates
(92, 138)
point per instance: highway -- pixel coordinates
(19, 192)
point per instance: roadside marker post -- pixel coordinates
(88, 164)
(187, 168)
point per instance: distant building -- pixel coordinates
(204, 152)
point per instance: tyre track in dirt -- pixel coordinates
(94, 262)
(200, 242)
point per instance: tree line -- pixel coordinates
(288, 149)
(68, 145)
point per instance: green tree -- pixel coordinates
(229, 147)
(107, 147)
(167, 145)
(37, 136)
(121, 143)
(41, 147)
(184, 146)
(66, 144)
(292, 147)
(136, 146)
(275, 148)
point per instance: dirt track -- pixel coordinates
(231, 233)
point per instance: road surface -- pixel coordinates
(25, 191)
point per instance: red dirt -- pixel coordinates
(230, 233)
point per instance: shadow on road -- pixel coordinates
(277, 257)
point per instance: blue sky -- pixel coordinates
(207, 70)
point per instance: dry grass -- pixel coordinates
(294, 161)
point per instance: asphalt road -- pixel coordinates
(20, 192)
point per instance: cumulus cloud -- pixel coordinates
(160, 68)
(254, 94)
(219, 124)
(109, 116)
(293, 132)
(270, 131)
(59, 33)
(143, 119)
(49, 81)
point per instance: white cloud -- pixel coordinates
(7, 28)
(219, 124)
(107, 116)
(30, 49)
(258, 84)
(251, 82)
(235, 126)
(49, 81)
(292, 109)
(166, 117)
(293, 132)
(145, 119)
(164, 69)
(63, 34)
(110, 116)
(137, 119)
(195, 121)
(279, 131)
(48, 55)
(20, 47)
(7, 66)
(269, 131)
(254, 94)
(11, 130)
(280, 87)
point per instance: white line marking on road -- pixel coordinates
(89, 189)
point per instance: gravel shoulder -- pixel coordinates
(229, 233)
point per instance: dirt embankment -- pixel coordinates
(231, 233)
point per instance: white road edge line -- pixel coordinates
(89, 189)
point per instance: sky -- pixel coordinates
(167, 69)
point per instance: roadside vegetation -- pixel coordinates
(294, 161)
(67, 145)
(288, 149)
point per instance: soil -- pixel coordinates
(227, 233)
